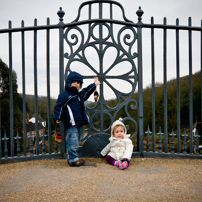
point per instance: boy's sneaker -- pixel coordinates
(77, 163)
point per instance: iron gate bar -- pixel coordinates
(48, 84)
(144, 25)
(201, 71)
(190, 90)
(36, 89)
(11, 91)
(61, 13)
(178, 85)
(23, 91)
(31, 28)
(101, 70)
(165, 88)
(153, 89)
(140, 82)
(180, 27)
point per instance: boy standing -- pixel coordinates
(71, 109)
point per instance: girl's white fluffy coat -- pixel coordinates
(119, 149)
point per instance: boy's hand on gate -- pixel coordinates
(96, 81)
(57, 121)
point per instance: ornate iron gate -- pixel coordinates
(101, 37)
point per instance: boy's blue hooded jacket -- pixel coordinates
(70, 104)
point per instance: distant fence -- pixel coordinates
(144, 145)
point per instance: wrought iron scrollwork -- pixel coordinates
(100, 37)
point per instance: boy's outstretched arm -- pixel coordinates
(91, 88)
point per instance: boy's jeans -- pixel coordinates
(72, 142)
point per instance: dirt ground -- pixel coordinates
(146, 179)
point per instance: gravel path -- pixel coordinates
(146, 179)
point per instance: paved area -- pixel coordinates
(146, 179)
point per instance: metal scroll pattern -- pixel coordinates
(100, 38)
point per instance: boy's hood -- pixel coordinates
(73, 76)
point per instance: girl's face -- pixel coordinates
(119, 132)
(76, 84)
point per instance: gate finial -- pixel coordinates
(139, 13)
(61, 13)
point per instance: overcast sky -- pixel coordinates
(27, 10)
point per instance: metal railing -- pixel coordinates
(23, 30)
(176, 47)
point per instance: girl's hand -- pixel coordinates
(96, 81)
